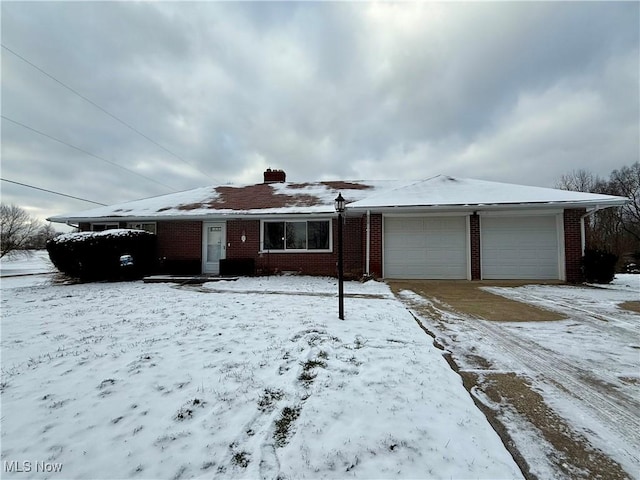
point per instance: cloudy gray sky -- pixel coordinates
(217, 92)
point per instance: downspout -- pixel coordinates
(368, 245)
(583, 235)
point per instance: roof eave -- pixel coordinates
(487, 206)
(198, 217)
(328, 211)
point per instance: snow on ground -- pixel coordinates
(587, 367)
(25, 263)
(134, 380)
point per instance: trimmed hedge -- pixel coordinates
(599, 266)
(94, 256)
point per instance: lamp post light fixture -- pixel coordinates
(340, 206)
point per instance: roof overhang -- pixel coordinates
(329, 211)
(200, 217)
(487, 207)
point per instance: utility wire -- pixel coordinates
(51, 191)
(84, 151)
(104, 110)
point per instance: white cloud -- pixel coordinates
(519, 92)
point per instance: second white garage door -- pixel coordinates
(425, 247)
(519, 247)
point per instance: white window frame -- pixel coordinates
(296, 250)
(133, 225)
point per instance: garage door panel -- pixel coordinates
(519, 247)
(425, 247)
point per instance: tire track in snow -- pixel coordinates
(550, 365)
(617, 410)
(592, 318)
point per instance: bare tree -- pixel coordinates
(616, 229)
(39, 240)
(626, 183)
(603, 227)
(17, 229)
(579, 181)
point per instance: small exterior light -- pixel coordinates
(339, 203)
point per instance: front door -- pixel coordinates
(214, 246)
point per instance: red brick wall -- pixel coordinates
(573, 244)
(180, 240)
(375, 254)
(236, 248)
(353, 233)
(474, 233)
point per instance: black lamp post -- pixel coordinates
(339, 204)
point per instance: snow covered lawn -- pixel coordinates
(25, 263)
(133, 380)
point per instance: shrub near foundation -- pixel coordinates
(92, 256)
(599, 266)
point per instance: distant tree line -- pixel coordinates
(19, 231)
(613, 230)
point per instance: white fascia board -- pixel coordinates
(427, 213)
(487, 207)
(523, 212)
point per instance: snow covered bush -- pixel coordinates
(599, 266)
(97, 255)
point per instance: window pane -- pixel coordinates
(296, 235)
(318, 233)
(274, 235)
(147, 227)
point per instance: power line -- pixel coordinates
(104, 110)
(84, 151)
(51, 191)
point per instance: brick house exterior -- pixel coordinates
(485, 238)
(180, 248)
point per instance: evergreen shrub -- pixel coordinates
(599, 266)
(92, 256)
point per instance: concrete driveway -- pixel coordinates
(523, 384)
(468, 298)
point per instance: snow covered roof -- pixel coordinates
(449, 192)
(235, 200)
(318, 198)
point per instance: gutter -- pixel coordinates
(583, 235)
(389, 209)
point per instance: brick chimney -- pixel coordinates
(274, 176)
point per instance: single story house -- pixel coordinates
(439, 228)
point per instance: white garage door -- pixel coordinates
(519, 247)
(431, 248)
